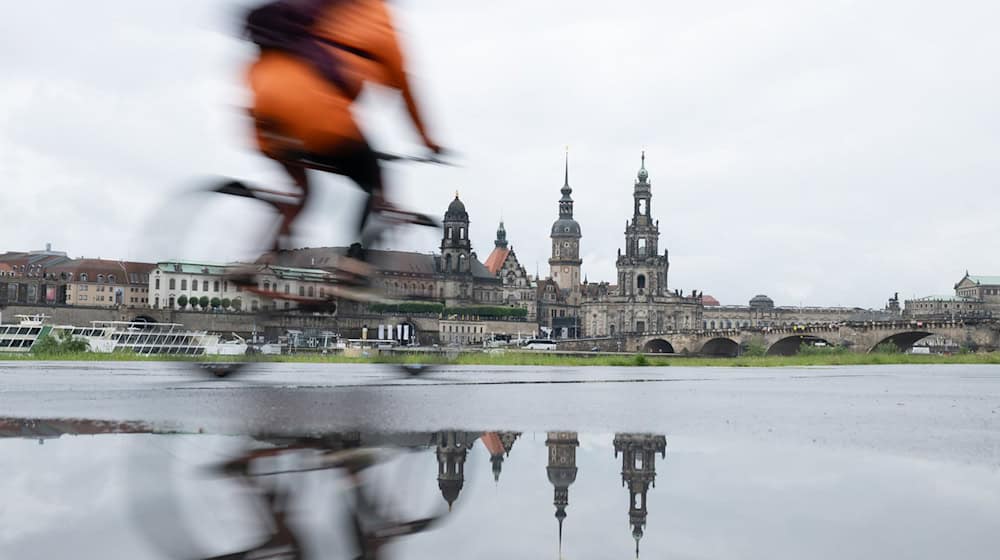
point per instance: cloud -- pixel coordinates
(822, 152)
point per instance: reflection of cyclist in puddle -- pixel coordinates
(316, 55)
(371, 525)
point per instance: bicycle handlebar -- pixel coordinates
(384, 156)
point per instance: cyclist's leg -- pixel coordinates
(289, 212)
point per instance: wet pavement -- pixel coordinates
(137, 460)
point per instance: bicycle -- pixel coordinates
(348, 278)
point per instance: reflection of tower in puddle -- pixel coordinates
(499, 445)
(562, 471)
(639, 473)
(452, 448)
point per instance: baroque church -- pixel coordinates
(641, 300)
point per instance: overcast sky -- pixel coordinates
(823, 153)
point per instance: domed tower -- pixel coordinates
(456, 248)
(452, 449)
(641, 270)
(564, 266)
(562, 471)
(639, 474)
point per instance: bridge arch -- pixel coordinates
(721, 347)
(658, 346)
(789, 346)
(143, 319)
(903, 340)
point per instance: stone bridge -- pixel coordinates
(784, 341)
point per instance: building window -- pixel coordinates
(83, 277)
(204, 286)
(111, 279)
(157, 284)
(215, 286)
(288, 289)
(302, 291)
(172, 284)
(184, 284)
(100, 278)
(640, 281)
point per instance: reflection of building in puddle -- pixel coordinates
(562, 471)
(638, 474)
(452, 449)
(499, 445)
(42, 429)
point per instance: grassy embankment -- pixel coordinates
(529, 358)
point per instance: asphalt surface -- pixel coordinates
(925, 411)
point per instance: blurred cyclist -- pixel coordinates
(315, 57)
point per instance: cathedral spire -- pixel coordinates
(566, 181)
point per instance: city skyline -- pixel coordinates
(827, 170)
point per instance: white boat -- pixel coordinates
(21, 336)
(236, 347)
(110, 336)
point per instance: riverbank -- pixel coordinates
(531, 358)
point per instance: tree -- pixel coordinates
(755, 348)
(226, 303)
(48, 345)
(182, 301)
(237, 304)
(215, 303)
(203, 302)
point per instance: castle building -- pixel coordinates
(516, 286)
(640, 301)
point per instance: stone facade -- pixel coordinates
(171, 280)
(25, 279)
(103, 283)
(976, 297)
(517, 289)
(640, 301)
(761, 312)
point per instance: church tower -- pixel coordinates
(456, 248)
(564, 265)
(452, 449)
(642, 272)
(562, 471)
(639, 474)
